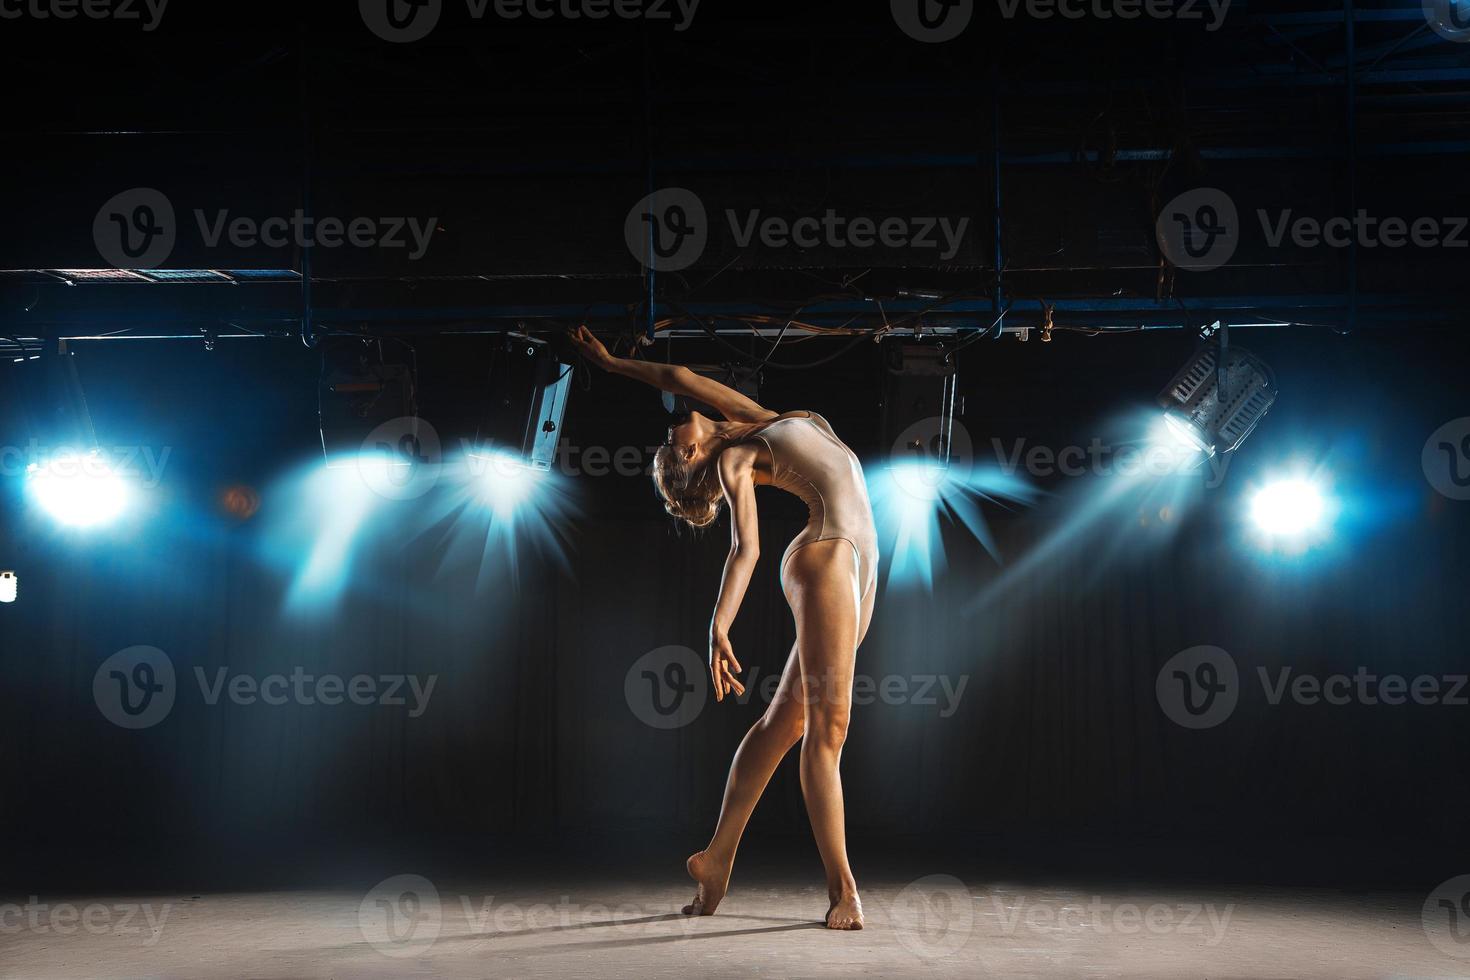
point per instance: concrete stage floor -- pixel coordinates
(552, 925)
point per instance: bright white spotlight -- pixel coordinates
(505, 481)
(924, 481)
(78, 490)
(1289, 508)
(1170, 448)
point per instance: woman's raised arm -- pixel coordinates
(675, 378)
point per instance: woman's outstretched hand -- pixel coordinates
(723, 667)
(590, 347)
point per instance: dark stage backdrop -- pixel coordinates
(529, 726)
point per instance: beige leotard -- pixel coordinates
(808, 459)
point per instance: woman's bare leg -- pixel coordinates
(760, 752)
(831, 617)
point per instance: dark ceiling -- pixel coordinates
(526, 143)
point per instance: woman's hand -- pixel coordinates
(723, 667)
(591, 348)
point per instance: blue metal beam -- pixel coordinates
(916, 316)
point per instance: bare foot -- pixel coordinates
(846, 912)
(711, 878)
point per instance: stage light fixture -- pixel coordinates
(920, 401)
(9, 587)
(528, 391)
(79, 490)
(367, 386)
(1217, 398)
(1292, 508)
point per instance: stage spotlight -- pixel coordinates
(930, 477)
(919, 404)
(9, 587)
(528, 391)
(78, 490)
(366, 395)
(504, 481)
(1289, 508)
(1169, 450)
(1212, 409)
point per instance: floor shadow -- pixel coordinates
(552, 949)
(473, 936)
(606, 923)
